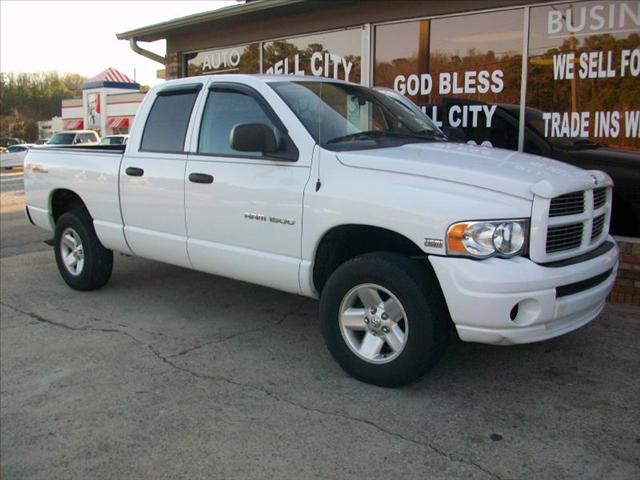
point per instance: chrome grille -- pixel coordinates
(564, 237)
(569, 224)
(597, 227)
(599, 197)
(567, 204)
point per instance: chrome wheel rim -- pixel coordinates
(373, 323)
(72, 251)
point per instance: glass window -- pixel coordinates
(241, 59)
(583, 95)
(62, 139)
(87, 138)
(168, 121)
(226, 108)
(334, 55)
(460, 70)
(348, 117)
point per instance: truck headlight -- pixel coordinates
(483, 239)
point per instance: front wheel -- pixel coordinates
(384, 319)
(82, 261)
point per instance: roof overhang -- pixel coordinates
(122, 85)
(160, 31)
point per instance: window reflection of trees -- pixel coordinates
(281, 49)
(598, 94)
(473, 58)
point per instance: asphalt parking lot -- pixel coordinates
(169, 373)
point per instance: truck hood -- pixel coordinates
(518, 174)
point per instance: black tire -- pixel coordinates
(414, 284)
(98, 261)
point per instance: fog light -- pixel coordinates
(525, 312)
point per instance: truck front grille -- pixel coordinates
(568, 204)
(597, 227)
(570, 224)
(564, 237)
(599, 197)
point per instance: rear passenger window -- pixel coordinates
(168, 120)
(224, 110)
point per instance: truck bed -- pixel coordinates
(91, 172)
(89, 148)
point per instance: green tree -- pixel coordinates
(26, 98)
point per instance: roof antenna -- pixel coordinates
(318, 181)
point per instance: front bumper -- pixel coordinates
(481, 296)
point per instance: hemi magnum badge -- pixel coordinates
(264, 218)
(433, 242)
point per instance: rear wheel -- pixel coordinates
(384, 318)
(82, 261)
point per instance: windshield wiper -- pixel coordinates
(361, 136)
(369, 134)
(430, 133)
(584, 143)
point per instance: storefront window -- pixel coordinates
(333, 55)
(241, 59)
(458, 69)
(583, 94)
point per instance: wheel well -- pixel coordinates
(63, 201)
(345, 242)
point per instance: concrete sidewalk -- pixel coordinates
(168, 373)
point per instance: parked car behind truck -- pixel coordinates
(405, 236)
(14, 155)
(74, 138)
(623, 166)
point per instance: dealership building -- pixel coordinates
(559, 79)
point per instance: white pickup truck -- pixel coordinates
(335, 191)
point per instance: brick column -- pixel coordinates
(173, 66)
(627, 287)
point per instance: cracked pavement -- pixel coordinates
(169, 373)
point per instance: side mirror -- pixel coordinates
(253, 137)
(455, 134)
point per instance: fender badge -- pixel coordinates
(433, 242)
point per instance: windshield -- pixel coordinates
(62, 139)
(343, 116)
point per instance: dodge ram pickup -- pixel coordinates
(334, 191)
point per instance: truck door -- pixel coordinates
(152, 177)
(244, 209)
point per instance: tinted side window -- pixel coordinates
(224, 110)
(167, 122)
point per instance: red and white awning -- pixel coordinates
(118, 122)
(73, 124)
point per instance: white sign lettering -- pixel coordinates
(221, 59)
(600, 124)
(321, 65)
(586, 19)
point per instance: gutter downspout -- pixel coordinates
(146, 53)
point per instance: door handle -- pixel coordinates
(134, 171)
(200, 178)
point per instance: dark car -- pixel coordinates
(623, 166)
